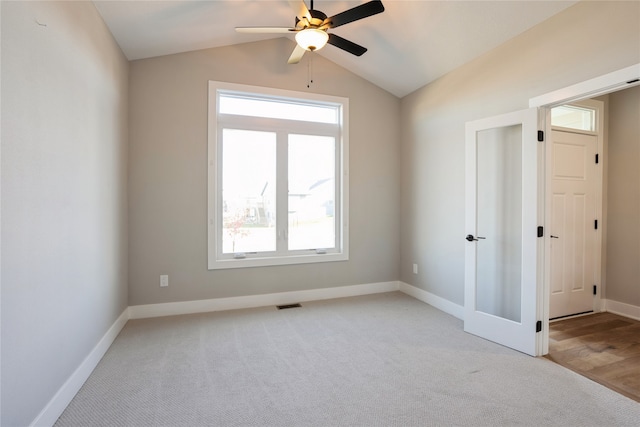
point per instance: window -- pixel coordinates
(278, 182)
(574, 117)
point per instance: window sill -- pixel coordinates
(272, 261)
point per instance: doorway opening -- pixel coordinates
(574, 179)
(612, 82)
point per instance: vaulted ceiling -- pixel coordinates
(409, 45)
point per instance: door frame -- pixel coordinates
(601, 85)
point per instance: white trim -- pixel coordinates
(626, 310)
(70, 388)
(542, 290)
(437, 302)
(251, 301)
(266, 261)
(591, 88)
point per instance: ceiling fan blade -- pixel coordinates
(347, 45)
(263, 30)
(300, 9)
(359, 12)
(296, 55)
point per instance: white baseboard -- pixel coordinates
(250, 301)
(627, 310)
(433, 300)
(65, 394)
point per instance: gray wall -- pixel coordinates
(64, 212)
(623, 204)
(168, 177)
(586, 40)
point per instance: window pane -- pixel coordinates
(278, 109)
(499, 219)
(248, 191)
(568, 116)
(311, 192)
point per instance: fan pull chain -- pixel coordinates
(310, 71)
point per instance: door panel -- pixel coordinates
(573, 211)
(501, 220)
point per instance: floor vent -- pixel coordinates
(283, 307)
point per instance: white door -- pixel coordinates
(573, 215)
(501, 222)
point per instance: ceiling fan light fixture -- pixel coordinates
(312, 39)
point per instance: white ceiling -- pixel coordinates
(410, 44)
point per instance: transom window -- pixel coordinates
(277, 177)
(574, 117)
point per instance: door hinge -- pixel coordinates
(595, 289)
(540, 135)
(539, 326)
(540, 231)
(595, 224)
(597, 158)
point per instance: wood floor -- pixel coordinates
(604, 347)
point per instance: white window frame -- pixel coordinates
(216, 121)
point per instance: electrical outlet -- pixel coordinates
(415, 268)
(164, 281)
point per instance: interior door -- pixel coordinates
(573, 233)
(501, 229)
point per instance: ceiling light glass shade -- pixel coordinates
(312, 39)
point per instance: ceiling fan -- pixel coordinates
(311, 28)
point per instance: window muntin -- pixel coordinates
(278, 187)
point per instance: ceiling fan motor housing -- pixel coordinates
(317, 18)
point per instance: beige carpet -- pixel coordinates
(379, 360)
